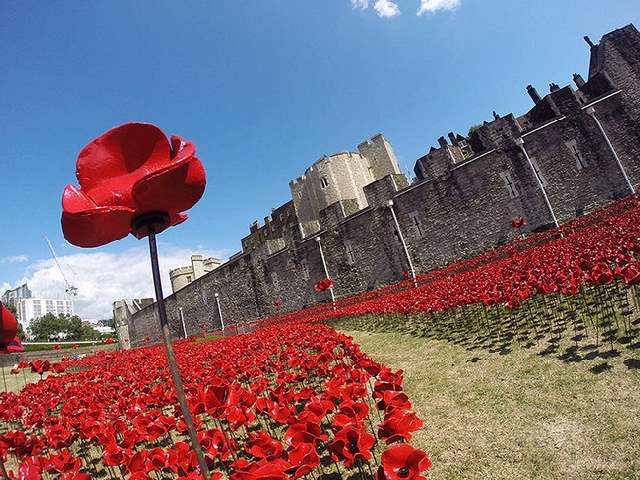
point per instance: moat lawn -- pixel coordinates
(518, 415)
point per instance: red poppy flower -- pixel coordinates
(57, 367)
(324, 284)
(518, 222)
(393, 399)
(303, 459)
(64, 462)
(126, 172)
(398, 425)
(273, 470)
(402, 462)
(9, 342)
(40, 366)
(307, 432)
(261, 445)
(351, 444)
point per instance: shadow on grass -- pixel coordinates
(601, 323)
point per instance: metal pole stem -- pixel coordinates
(173, 365)
(184, 327)
(220, 314)
(326, 272)
(592, 113)
(539, 180)
(404, 244)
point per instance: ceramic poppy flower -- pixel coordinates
(398, 426)
(324, 284)
(350, 444)
(518, 222)
(9, 342)
(127, 172)
(402, 462)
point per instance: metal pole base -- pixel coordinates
(148, 224)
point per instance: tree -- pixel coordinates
(62, 327)
(21, 334)
(48, 327)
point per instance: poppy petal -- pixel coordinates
(97, 226)
(174, 188)
(120, 151)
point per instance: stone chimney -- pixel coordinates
(533, 93)
(443, 142)
(578, 80)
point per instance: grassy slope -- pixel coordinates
(519, 415)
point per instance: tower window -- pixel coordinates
(323, 182)
(349, 249)
(510, 184)
(305, 270)
(415, 221)
(581, 162)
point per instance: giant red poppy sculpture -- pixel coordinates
(133, 180)
(9, 342)
(126, 174)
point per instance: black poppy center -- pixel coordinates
(352, 447)
(403, 472)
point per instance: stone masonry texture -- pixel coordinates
(466, 192)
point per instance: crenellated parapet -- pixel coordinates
(575, 149)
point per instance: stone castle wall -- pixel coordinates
(462, 202)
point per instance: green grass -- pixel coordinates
(210, 338)
(517, 413)
(15, 383)
(49, 346)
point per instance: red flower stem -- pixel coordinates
(173, 365)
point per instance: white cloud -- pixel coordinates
(14, 259)
(101, 277)
(360, 4)
(386, 8)
(432, 6)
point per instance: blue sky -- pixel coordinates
(263, 88)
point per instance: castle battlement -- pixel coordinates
(468, 188)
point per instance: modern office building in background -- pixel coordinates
(12, 297)
(32, 308)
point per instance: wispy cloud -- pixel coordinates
(386, 8)
(14, 259)
(360, 4)
(101, 277)
(432, 6)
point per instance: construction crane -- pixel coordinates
(70, 290)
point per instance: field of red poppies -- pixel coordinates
(276, 403)
(298, 399)
(581, 277)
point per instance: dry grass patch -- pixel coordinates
(518, 415)
(14, 383)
